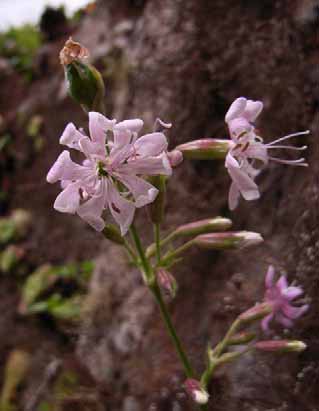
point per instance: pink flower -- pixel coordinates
(109, 177)
(280, 296)
(249, 149)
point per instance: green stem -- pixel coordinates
(173, 254)
(144, 261)
(151, 251)
(153, 286)
(171, 329)
(130, 251)
(223, 344)
(157, 242)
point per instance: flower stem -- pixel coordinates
(130, 252)
(173, 254)
(157, 241)
(154, 288)
(171, 330)
(144, 261)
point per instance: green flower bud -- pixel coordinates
(206, 149)
(85, 83)
(231, 240)
(112, 233)
(256, 313)
(202, 227)
(280, 346)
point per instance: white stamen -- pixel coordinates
(289, 147)
(300, 133)
(299, 162)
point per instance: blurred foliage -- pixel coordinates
(45, 290)
(34, 127)
(19, 45)
(5, 140)
(10, 258)
(15, 371)
(15, 227)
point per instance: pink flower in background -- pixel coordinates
(280, 296)
(249, 155)
(109, 176)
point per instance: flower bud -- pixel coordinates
(280, 346)
(195, 391)
(167, 282)
(206, 149)
(112, 233)
(175, 158)
(255, 313)
(231, 240)
(202, 227)
(241, 338)
(85, 83)
(156, 208)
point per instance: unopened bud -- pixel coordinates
(206, 149)
(203, 226)
(112, 233)
(231, 240)
(258, 312)
(156, 208)
(241, 338)
(280, 346)
(166, 281)
(196, 392)
(175, 158)
(85, 83)
(72, 51)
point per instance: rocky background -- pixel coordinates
(185, 62)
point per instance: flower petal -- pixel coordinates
(148, 166)
(151, 144)
(71, 136)
(292, 292)
(134, 125)
(294, 312)
(121, 209)
(89, 148)
(269, 279)
(98, 126)
(122, 137)
(142, 191)
(265, 322)
(252, 110)
(69, 199)
(257, 151)
(236, 109)
(282, 283)
(233, 196)
(92, 209)
(286, 322)
(247, 187)
(65, 169)
(240, 127)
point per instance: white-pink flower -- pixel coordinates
(249, 154)
(280, 296)
(110, 175)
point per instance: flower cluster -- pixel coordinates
(279, 295)
(249, 151)
(110, 175)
